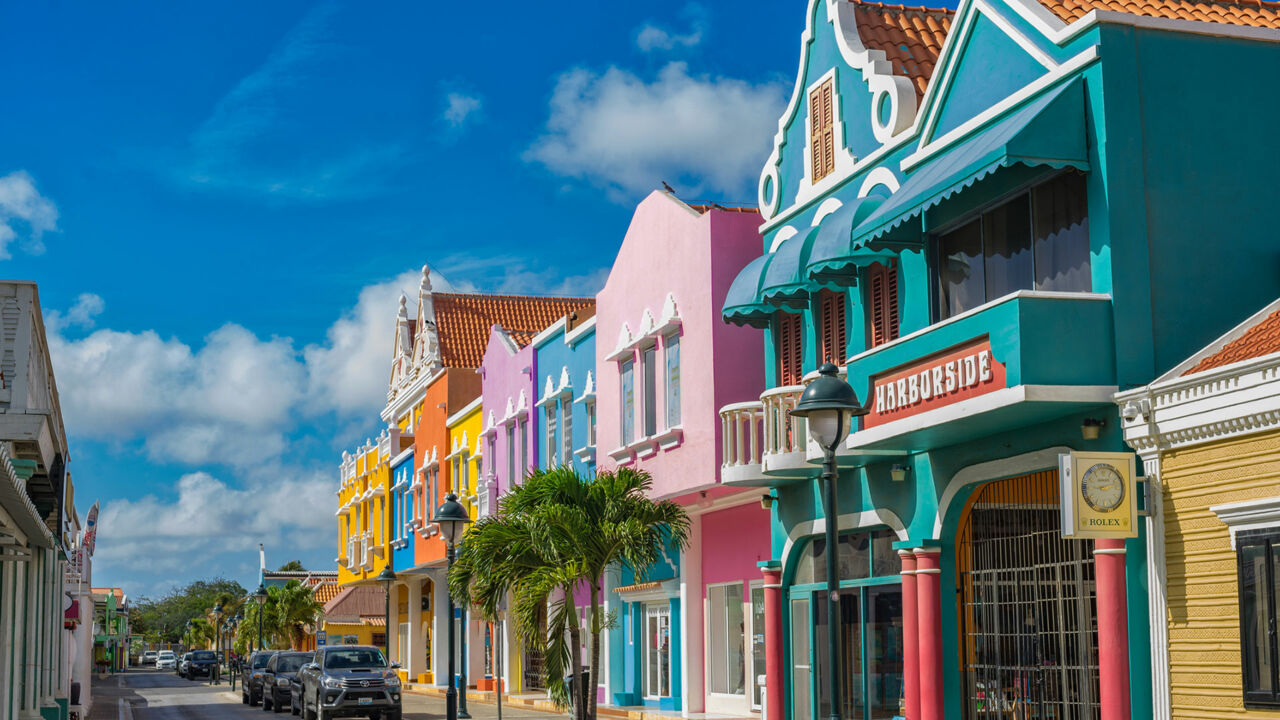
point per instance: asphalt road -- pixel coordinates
(161, 695)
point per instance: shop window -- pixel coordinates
(882, 303)
(1037, 240)
(1258, 571)
(379, 639)
(725, 657)
(834, 327)
(671, 352)
(822, 151)
(566, 432)
(789, 348)
(628, 402)
(648, 365)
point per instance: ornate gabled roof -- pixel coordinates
(910, 37)
(463, 321)
(1250, 14)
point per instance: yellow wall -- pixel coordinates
(1204, 622)
(372, 470)
(465, 433)
(335, 632)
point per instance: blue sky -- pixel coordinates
(221, 201)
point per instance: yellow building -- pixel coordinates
(466, 466)
(1208, 432)
(364, 538)
(355, 616)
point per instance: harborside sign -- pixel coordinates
(963, 372)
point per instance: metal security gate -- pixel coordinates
(534, 672)
(1027, 614)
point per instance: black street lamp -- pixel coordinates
(261, 597)
(217, 640)
(386, 578)
(452, 518)
(829, 404)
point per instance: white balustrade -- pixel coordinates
(783, 433)
(742, 426)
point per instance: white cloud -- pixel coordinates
(460, 107)
(651, 37)
(628, 135)
(22, 206)
(151, 535)
(84, 314)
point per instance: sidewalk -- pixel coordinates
(108, 693)
(482, 704)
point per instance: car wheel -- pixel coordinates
(266, 701)
(275, 706)
(244, 697)
(319, 714)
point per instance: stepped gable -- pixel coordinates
(1248, 14)
(463, 321)
(910, 37)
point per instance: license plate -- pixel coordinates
(365, 701)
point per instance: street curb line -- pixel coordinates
(126, 709)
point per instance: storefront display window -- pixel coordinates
(1037, 240)
(657, 651)
(869, 624)
(1258, 572)
(725, 658)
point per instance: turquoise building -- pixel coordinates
(992, 220)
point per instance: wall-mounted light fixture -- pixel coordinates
(899, 472)
(766, 502)
(1090, 427)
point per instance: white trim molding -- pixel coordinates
(1259, 514)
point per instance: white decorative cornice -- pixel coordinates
(1259, 514)
(588, 389)
(621, 350)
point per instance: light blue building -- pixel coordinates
(565, 412)
(403, 529)
(993, 220)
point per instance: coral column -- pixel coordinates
(929, 607)
(1113, 628)
(773, 663)
(910, 636)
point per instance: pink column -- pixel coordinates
(929, 606)
(773, 655)
(1113, 628)
(910, 636)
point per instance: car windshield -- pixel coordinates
(260, 661)
(291, 663)
(202, 655)
(354, 658)
(166, 654)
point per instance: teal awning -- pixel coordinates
(743, 305)
(834, 253)
(785, 282)
(1049, 131)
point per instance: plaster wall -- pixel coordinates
(507, 373)
(575, 352)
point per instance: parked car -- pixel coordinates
(251, 683)
(166, 660)
(182, 664)
(278, 678)
(349, 680)
(149, 657)
(202, 664)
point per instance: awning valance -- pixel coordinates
(834, 253)
(743, 305)
(1049, 131)
(785, 282)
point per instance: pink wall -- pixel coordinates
(672, 249)
(503, 378)
(733, 541)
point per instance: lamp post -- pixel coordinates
(830, 404)
(261, 597)
(217, 640)
(452, 518)
(386, 578)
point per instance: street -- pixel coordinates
(162, 695)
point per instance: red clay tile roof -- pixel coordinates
(325, 592)
(1261, 339)
(911, 37)
(463, 322)
(1256, 13)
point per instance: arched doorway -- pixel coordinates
(1028, 628)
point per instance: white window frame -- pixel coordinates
(667, 405)
(648, 361)
(712, 617)
(658, 609)
(566, 430)
(550, 411)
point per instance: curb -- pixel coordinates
(126, 709)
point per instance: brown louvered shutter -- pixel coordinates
(834, 326)
(882, 291)
(789, 349)
(822, 130)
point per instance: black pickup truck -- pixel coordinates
(202, 664)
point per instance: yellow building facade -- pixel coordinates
(466, 464)
(364, 538)
(1208, 433)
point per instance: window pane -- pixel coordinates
(550, 411)
(757, 642)
(855, 556)
(884, 650)
(1061, 212)
(628, 403)
(566, 432)
(672, 352)
(885, 560)
(524, 448)
(960, 269)
(1255, 619)
(850, 630)
(648, 362)
(719, 675)
(801, 661)
(511, 455)
(735, 632)
(1006, 238)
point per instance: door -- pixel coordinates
(1028, 629)
(534, 676)
(657, 651)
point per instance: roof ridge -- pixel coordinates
(910, 8)
(513, 297)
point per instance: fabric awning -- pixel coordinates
(1049, 131)
(834, 253)
(743, 305)
(784, 281)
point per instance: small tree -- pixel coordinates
(555, 533)
(292, 566)
(296, 609)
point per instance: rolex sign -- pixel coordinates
(1098, 490)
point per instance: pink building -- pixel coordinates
(665, 364)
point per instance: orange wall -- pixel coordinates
(451, 392)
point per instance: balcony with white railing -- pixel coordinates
(762, 441)
(742, 435)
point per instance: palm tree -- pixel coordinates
(295, 609)
(199, 634)
(553, 534)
